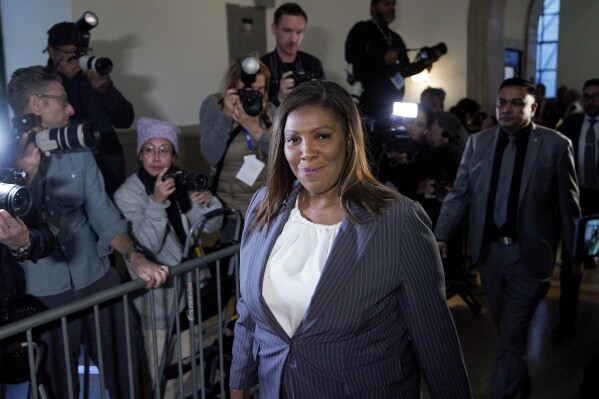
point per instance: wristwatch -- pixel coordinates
(22, 253)
(130, 249)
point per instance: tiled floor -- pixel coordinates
(556, 369)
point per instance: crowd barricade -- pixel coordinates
(186, 276)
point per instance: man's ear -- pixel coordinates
(34, 104)
(273, 28)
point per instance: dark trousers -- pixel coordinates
(81, 330)
(513, 297)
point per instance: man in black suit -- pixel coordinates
(519, 183)
(583, 130)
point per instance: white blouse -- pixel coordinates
(294, 268)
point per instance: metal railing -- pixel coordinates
(177, 273)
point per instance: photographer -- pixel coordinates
(160, 212)
(94, 98)
(405, 164)
(69, 192)
(235, 144)
(22, 239)
(380, 62)
(288, 65)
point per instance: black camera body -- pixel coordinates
(301, 76)
(251, 100)
(83, 25)
(433, 53)
(14, 197)
(70, 137)
(188, 181)
(396, 139)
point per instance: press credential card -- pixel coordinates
(250, 170)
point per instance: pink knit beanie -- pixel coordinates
(148, 128)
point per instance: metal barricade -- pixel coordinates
(124, 291)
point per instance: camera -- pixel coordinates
(69, 137)
(84, 24)
(188, 181)
(102, 65)
(396, 139)
(300, 77)
(432, 53)
(442, 184)
(251, 100)
(15, 199)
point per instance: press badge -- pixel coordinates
(250, 170)
(397, 81)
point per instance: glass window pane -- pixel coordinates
(548, 36)
(551, 7)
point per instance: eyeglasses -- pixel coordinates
(64, 99)
(162, 151)
(590, 97)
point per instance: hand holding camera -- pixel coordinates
(13, 232)
(163, 187)
(99, 83)
(286, 84)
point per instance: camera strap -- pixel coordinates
(248, 139)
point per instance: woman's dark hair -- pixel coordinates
(357, 185)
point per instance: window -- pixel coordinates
(547, 39)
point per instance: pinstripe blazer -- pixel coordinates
(377, 321)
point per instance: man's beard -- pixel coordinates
(387, 18)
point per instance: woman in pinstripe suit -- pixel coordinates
(342, 291)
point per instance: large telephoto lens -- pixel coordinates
(15, 199)
(102, 65)
(70, 137)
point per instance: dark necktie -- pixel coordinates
(590, 151)
(504, 183)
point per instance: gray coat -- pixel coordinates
(149, 227)
(548, 203)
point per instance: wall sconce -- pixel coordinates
(420, 77)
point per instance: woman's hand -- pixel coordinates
(200, 197)
(230, 101)
(250, 123)
(162, 188)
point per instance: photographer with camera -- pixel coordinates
(379, 62)
(289, 66)
(233, 142)
(69, 192)
(23, 237)
(91, 93)
(160, 210)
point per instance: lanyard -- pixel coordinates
(248, 138)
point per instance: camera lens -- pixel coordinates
(251, 101)
(15, 199)
(102, 65)
(68, 138)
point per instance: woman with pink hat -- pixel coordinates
(160, 213)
